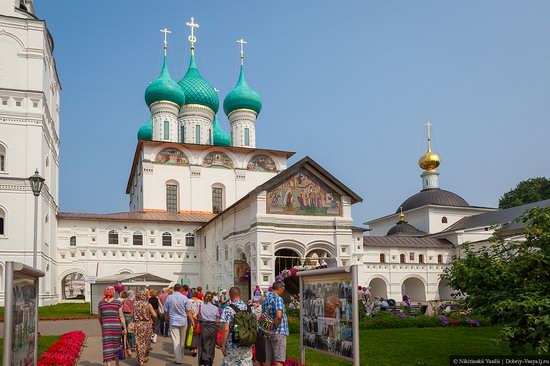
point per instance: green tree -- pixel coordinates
(527, 191)
(509, 282)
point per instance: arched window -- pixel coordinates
(113, 237)
(182, 134)
(247, 137)
(382, 258)
(166, 239)
(440, 258)
(189, 240)
(217, 253)
(137, 238)
(2, 158)
(402, 258)
(217, 199)
(421, 258)
(2, 222)
(197, 134)
(444, 220)
(226, 252)
(171, 197)
(72, 241)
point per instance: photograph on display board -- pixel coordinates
(327, 309)
(24, 320)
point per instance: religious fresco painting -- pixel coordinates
(261, 163)
(171, 156)
(218, 159)
(304, 194)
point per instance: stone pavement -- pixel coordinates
(161, 353)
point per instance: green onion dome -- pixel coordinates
(146, 131)
(242, 97)
(221, 136)
(164, 88)
(197, 90)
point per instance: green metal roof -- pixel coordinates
(197, 90)
(164, 88)
(221, 136)
(242, 97)
(146, 131)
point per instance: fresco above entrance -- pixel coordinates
(261, 163)
(171, 156)
(304, 194)
(218, 159)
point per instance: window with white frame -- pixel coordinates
(137, 238)
(113, 237)
(2, 158)
(190, 240)
(166, 239)
(171, 198)
(2, 222)
(217, 200)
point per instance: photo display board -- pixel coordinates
(328, 312)
(21, 314)
(25, 291)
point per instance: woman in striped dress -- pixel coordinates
(113, 325)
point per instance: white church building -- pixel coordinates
(206, 206)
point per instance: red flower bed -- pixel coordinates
(65, 351)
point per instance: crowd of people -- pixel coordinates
(131, 322)
(374, 304)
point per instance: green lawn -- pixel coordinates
(44, 342)
(68, 310)
(411, 346)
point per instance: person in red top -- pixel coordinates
(199, 293)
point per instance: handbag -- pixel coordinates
(265, 321)
(161, 308)
(197, 327)
(189, 340)
(131, 327)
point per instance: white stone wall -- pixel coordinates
(190, 117)
(240, 120)
(162, 112)
(29, 132)
(93, 255)
(394, 273)
(195, 182)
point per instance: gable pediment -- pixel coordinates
(304, 193)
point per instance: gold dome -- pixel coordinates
(429, 161)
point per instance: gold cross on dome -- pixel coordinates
(429, 125)
(192, 37)
(165, 31)
(242, 42)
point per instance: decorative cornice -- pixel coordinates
(165, 102)
(289, 226)
(242, 110)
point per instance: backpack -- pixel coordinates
(247, 325)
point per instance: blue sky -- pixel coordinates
(349, 83)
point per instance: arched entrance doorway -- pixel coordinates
(414, 288)
(379, 288)
(73, 286)
(317, 257)
(444, 290)
(286, 259)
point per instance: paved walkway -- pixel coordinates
(161, 353)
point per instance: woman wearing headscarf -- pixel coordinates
(113, 325)
(128, 310)
(209, 330)
(162, 300)
(406, 301)
(154, 301)
(143, 326)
